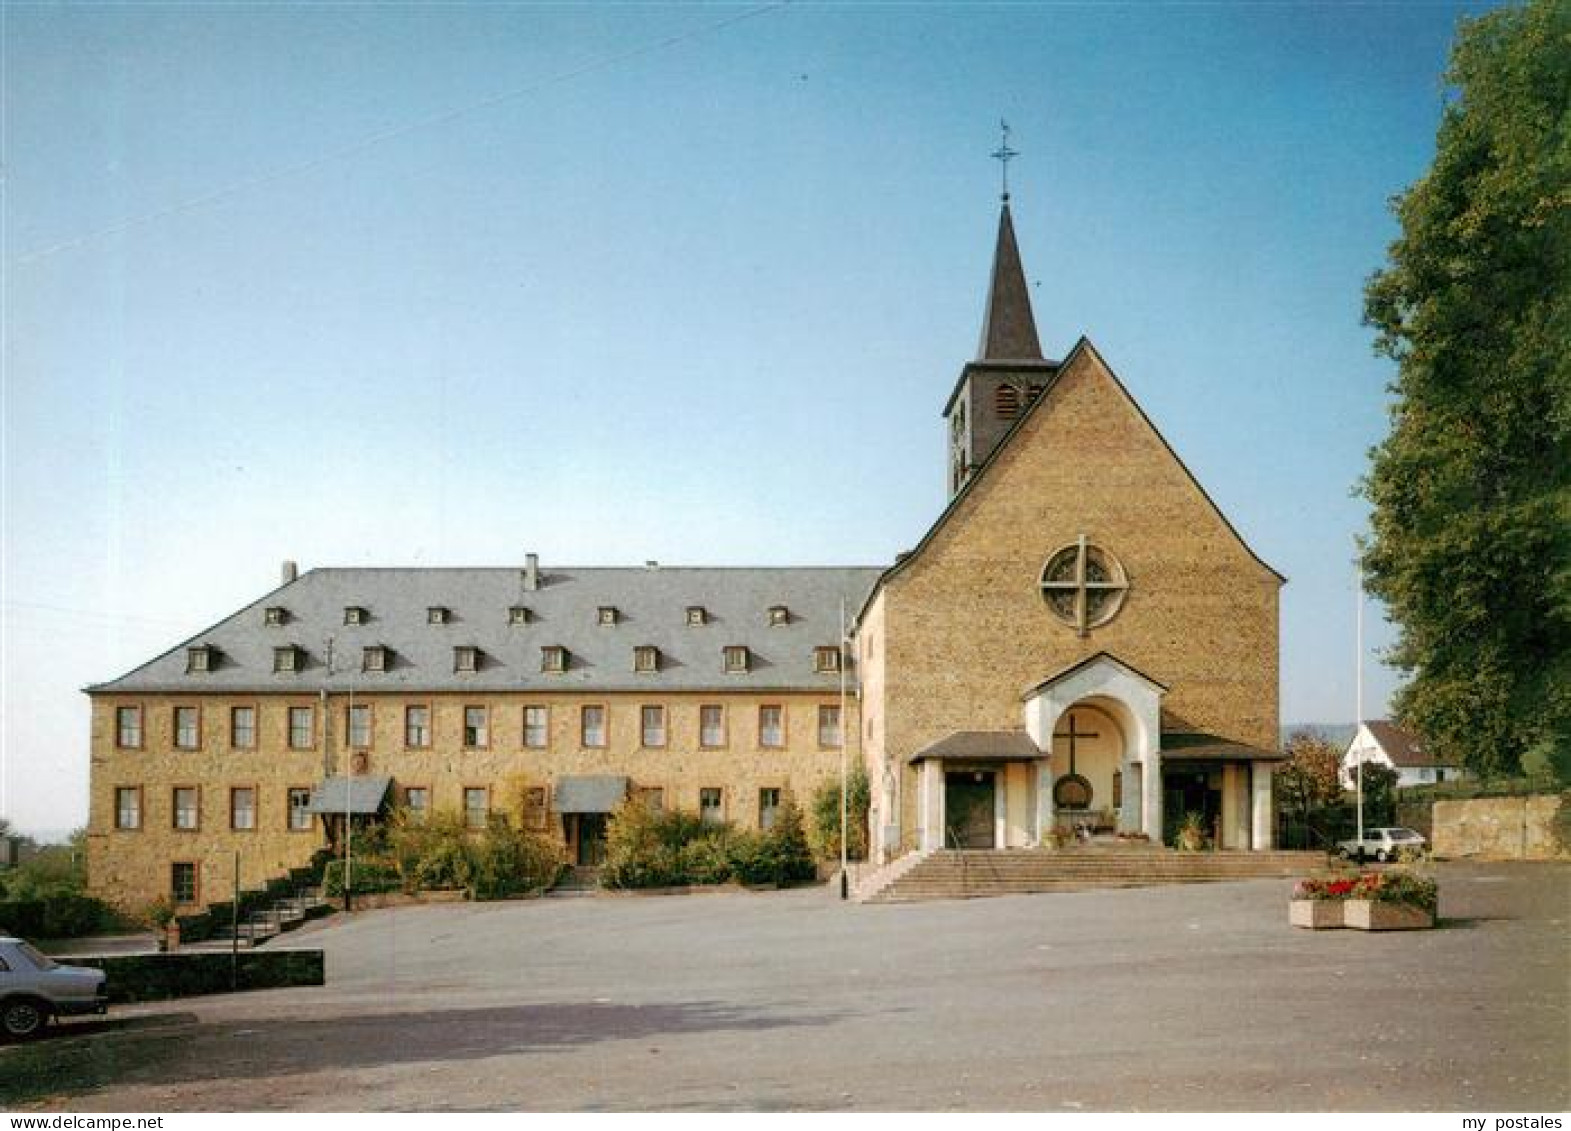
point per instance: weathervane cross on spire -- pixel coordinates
(1003, 155)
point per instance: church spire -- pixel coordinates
(1008, 329)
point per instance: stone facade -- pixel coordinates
(960, 630)
(132, 867)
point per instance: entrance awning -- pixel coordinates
(595, 794)
(981, 746)
(1186, 747)
(359, 796)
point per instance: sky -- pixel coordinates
(444, 284)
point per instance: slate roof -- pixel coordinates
(1008, 328)
(1402, 747)
(361, 795)
(651, 606)
(981, 745)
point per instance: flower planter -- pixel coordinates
(1374, 915)
(1316, 914)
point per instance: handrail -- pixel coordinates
(965, 866)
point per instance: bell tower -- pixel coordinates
(1009, 371)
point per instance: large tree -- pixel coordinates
(1471, 545)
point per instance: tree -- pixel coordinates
(826, 816)
(1471, 490)
(1379, 793)
(1310, 779)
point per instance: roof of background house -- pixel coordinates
(1402, 747)
(651, 604)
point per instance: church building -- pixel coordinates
(1081, 641)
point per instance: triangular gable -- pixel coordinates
(1106, 659)
(1083, 345)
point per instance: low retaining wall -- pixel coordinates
(155, 977)
(1509, 828)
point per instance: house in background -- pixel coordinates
(1382, 742)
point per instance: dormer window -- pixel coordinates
(606, 615)
(779, 615)
(466, 658)
(275, 615)
(826, 659)
(736, 658)
(355, 614)
(373, 658)
(286, 659)
(646, 658)
(517, 615)
(438, 614)
(200, 659)
(553, 658)
(697, 616)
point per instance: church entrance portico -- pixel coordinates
(971, 808)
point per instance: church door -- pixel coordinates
(970, 797)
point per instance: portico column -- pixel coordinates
(1044, 798)
(1261, 839)
(1151, 796)
(932, 804)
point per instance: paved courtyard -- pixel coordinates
(1192, 998)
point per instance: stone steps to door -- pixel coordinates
(961, 874)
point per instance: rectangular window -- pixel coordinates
(417, 799)
(553, 658)
(768, 807)
(299, 810)
(653, 798)
(302, 727)
(242, 808)
(242, 727)
(828, 724)
(187, 807)
(187, 728)
(182, 882)
(128, 807)
(826, 659)
(771, 726)
(128, 728)
(537, 727)
(711, 805)
(475, 730)
(711, 725)
(652, 726)
(286, 659)
(736, 658)
(466, 658)
(593, 726)
(359, 729)
(417, 726)
(476, 802)
(373, 658)
(646, 658)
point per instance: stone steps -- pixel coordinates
(950, 874)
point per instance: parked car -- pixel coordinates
(34, 988)
(1383, 844)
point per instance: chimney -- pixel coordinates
(531, 572)
(288, 573)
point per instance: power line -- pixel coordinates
(283, 172)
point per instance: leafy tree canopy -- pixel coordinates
(1309, 779)
(1471, 490)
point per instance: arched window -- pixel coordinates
(1006, 402)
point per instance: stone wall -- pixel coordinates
(132, 867)
(1508, 828)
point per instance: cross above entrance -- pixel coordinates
(1072, 734)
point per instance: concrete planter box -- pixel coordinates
(1367, 915)
(1316, 914)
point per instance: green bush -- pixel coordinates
(825, 807)
(71, 916)
(506, 861)
(367, 875)
(646, 849)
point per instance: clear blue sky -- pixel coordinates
(408, 284)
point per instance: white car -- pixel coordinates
(34, 988)
(1383, 844)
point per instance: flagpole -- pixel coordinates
(1358, 692)
(845, 805)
